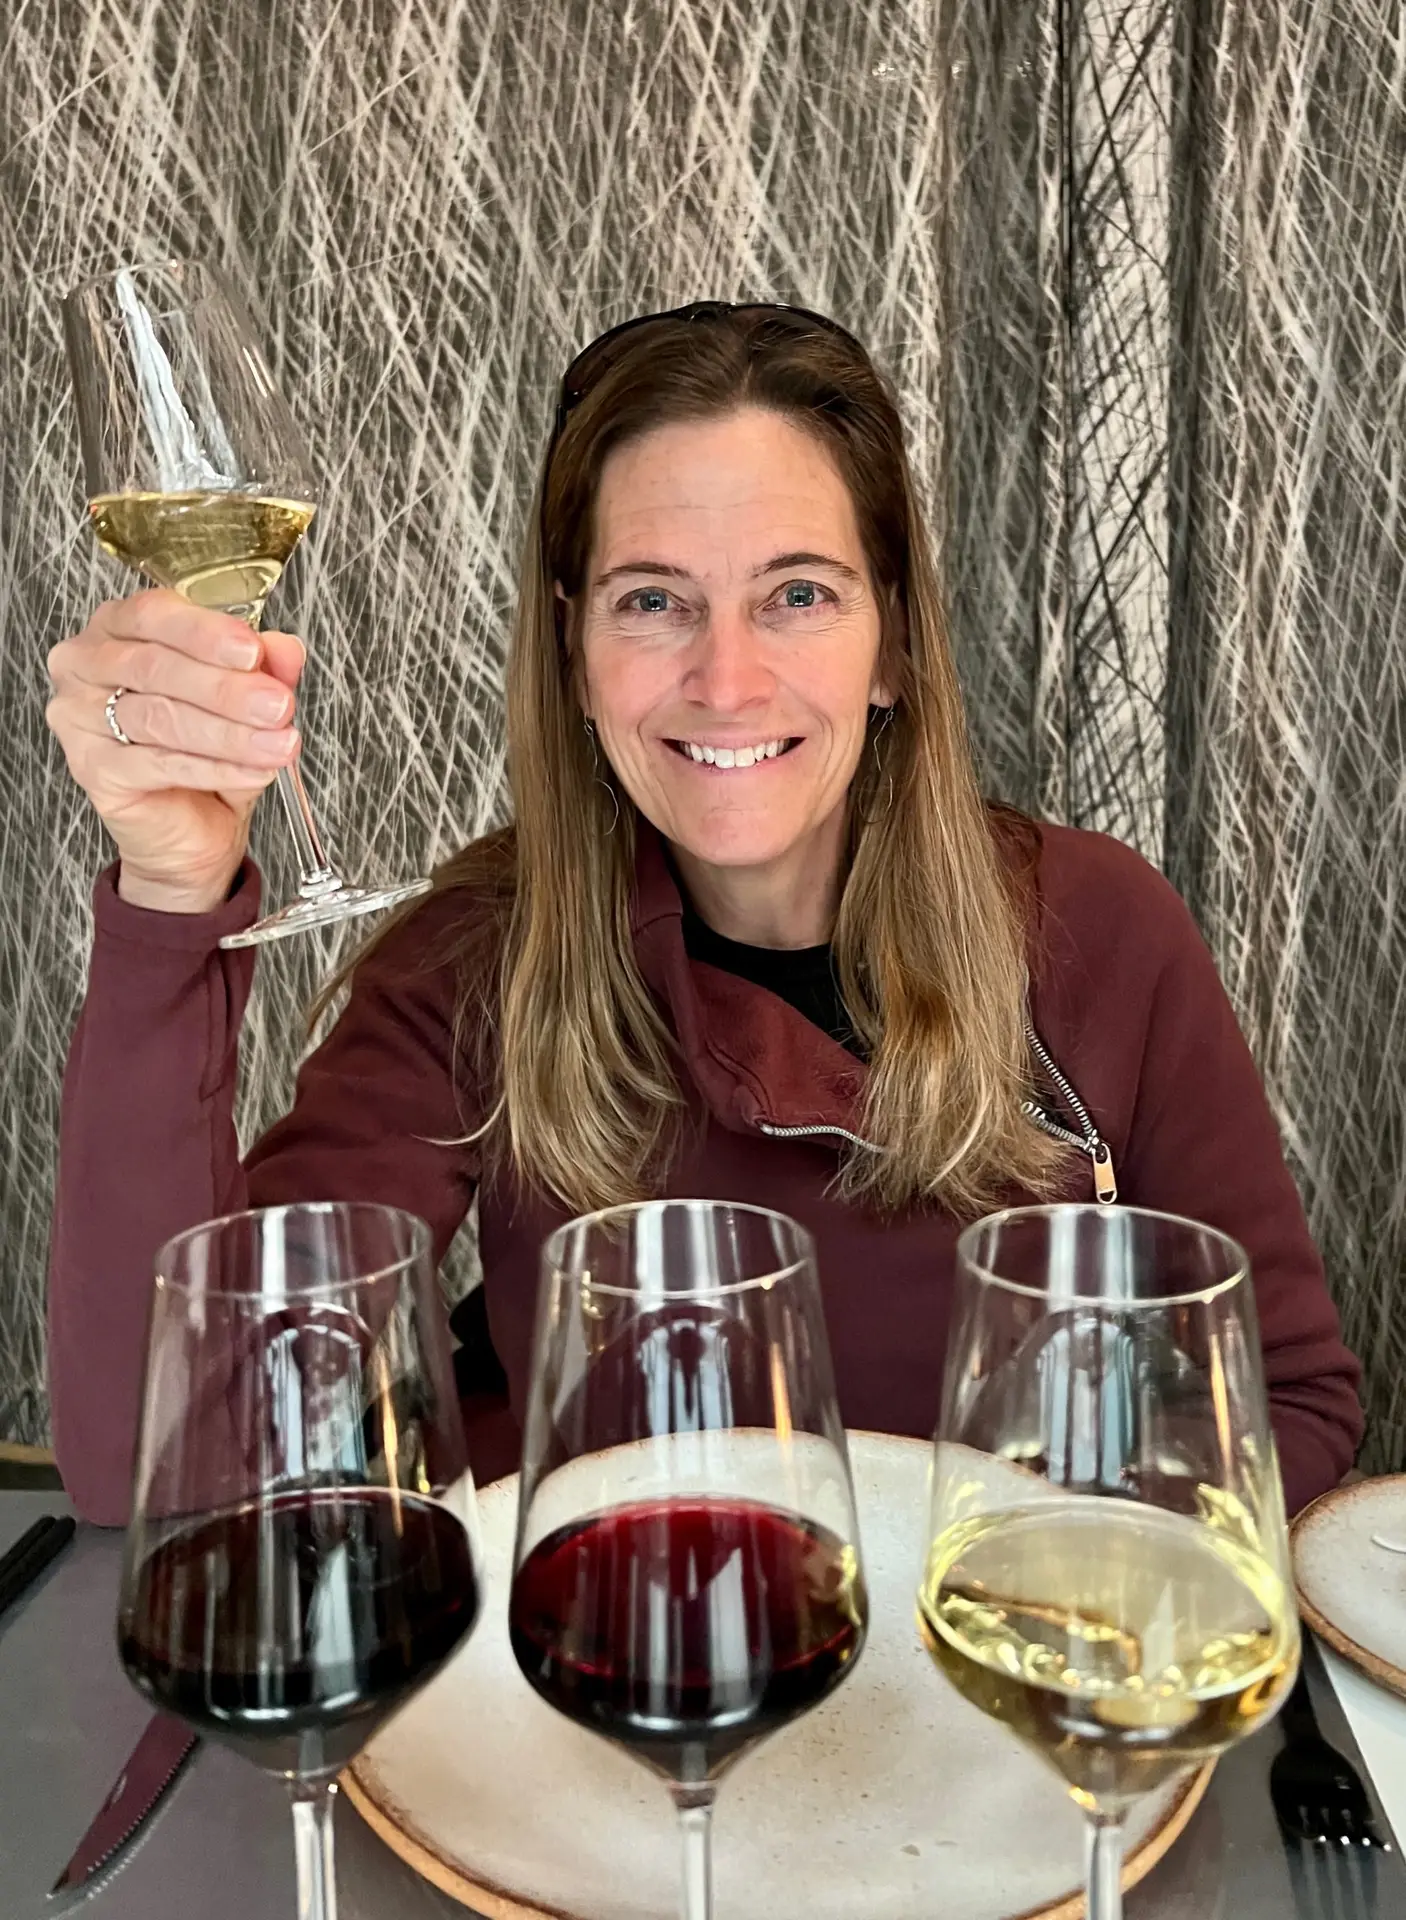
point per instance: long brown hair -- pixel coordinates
(930, 936)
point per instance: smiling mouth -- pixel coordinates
(729, 758)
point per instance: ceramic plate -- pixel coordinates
(1350, 1569)
(894, 1799)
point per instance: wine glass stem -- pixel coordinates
(315, 871)
(316, 874)
(312, 1841)
(695, 1808)
(1103, 1857)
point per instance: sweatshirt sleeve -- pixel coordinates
(1193, 1134)
(147, 1143)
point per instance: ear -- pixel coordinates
(894, 641)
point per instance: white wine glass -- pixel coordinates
(1108, 1574)
(199, 479)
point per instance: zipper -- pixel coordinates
(1090, 1141)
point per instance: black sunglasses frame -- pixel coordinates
(577, 380)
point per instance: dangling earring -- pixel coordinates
(878, 763)
(590, 727)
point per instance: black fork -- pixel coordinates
(1329, 1827)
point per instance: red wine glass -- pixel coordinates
(687, 1571)
(302, 1554)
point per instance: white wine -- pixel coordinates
(223, 550)
(1122, 1642)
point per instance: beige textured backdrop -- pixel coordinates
(1138, 271)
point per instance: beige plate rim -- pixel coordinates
(395, 1826)
(396, 1829)
(1384, 1672)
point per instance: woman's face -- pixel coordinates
(729, 636)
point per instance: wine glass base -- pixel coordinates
(339, 902)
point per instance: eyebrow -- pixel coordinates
(659, 570)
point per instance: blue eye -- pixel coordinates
(800, 593)
(650, 600)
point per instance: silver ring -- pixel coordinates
(114, 725)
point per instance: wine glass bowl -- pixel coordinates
(767, 1608)
(302, 1554)
(688, 1575)
(198, 1621)
(220, 549)
(1108, 1572)
(199, 479)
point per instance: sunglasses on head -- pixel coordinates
(592, 360)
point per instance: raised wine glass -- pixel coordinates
(1108, 1574)
(302, 1553)
(198, 478)
(688, 1574)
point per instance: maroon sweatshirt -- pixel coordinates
(1125, 997)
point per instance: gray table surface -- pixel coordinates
(219, 1847)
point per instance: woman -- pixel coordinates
(754, 934)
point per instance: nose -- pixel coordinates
(727, 669)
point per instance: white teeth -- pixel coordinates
(732, 756)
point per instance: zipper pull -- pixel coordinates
(1105, 1180)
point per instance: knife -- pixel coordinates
(154, 1764)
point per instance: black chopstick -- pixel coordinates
(31, 1553)
(13, 1555)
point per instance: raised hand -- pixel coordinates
(207, 706)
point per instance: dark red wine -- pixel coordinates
(689, 1628)
(292, 1627)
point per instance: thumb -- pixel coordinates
(284, 654)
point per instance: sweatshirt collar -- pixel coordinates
(757, 1062)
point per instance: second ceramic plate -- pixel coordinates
(1350, 1570)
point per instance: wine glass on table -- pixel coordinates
(1109, 1572)
(199, 479)
(302, 1554)
(687, 1569)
